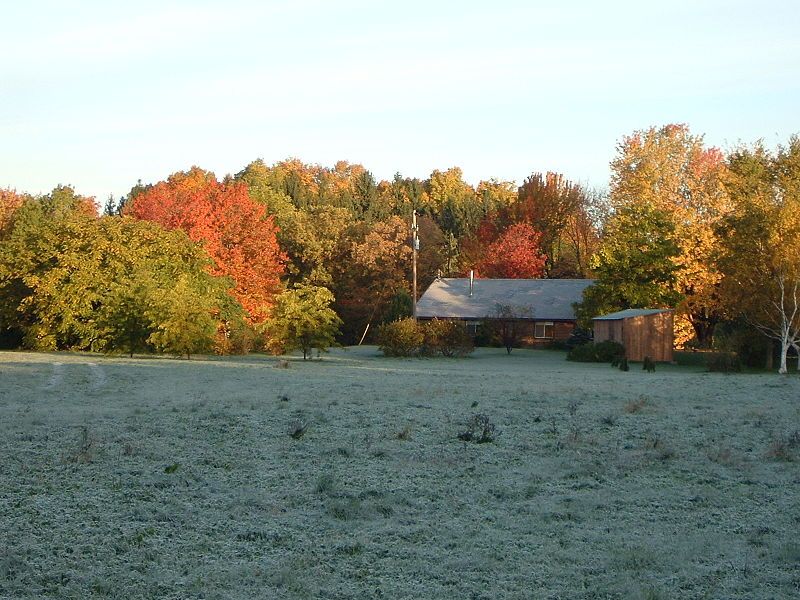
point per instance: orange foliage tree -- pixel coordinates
(235, 230)
(10, 201)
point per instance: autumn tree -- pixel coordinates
(303, 318)
(670, 170)
(236, 231)
(760, 242)
(515, 254)
(377, 269)
(581, 236)
(565, 214)
(495, 195)
(548, 202)
(10, 201)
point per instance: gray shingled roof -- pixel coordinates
(631, 312)
(550, 299)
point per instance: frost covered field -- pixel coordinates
(160, 478)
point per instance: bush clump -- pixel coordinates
(407, 337)
(401, 338)
(479, 429)
(723, 362)
(603, 352)
(446, 338)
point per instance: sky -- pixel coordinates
(98, 95)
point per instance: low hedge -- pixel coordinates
(723, 362)
(603, 352)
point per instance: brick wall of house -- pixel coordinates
(561, 331)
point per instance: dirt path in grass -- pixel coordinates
(98, 374)
(56, 377)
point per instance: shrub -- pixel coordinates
(448, 338)
(723, 362)
(603, 352)
(649, 365)
(609, 419)
(430, 338)
(578, 337)
(484, 336)
(400, 338)
(84, 452)
(745, 341)
(783, 445)
(325, 484)
(635, 406)
(479, 430)
(235, 338)
(297, 428)
(558, 345)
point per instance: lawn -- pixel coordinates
(162, 478)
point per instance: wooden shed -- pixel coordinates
(643, 332)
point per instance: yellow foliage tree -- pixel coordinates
(669, 169)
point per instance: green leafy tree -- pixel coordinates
(453, 202)
(30, 247)
(183, 318)
(303, 318)
(635, 265)
(124, 320)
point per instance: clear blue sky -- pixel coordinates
(100, 94)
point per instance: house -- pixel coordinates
(643, 332)
(543, 305)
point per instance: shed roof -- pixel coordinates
(548, 299)
(631, 312)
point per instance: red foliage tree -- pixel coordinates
(236, 231)
(515, 254)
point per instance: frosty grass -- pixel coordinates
(162, 478)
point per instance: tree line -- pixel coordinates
(279, 253)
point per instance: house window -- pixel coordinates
(472, 327)
(543, 330)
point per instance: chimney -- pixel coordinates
(471, 282)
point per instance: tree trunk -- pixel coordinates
(784, 351)
(703, 330)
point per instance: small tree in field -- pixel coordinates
(506, 323)
(303, 318)
(184, 321)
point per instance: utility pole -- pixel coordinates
(414, 249)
